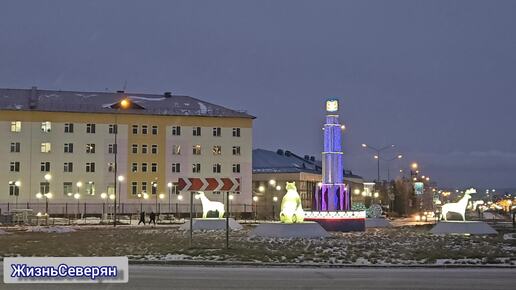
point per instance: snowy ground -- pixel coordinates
(399, 246)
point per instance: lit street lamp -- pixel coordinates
(104, 196)
(255, 200)
(378, 156)
(274, 200)
(77, 196)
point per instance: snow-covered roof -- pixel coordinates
(284, 161)
(102, 102)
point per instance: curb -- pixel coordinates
(309, 265)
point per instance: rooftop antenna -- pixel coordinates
(125, 85)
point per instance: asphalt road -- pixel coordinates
(190, 277)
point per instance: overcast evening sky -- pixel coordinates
(436, 78)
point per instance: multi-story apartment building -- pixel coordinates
(75, 145)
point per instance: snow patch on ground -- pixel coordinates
(58, 230)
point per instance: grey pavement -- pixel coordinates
(198, 277)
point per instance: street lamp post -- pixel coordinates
(104, 197)
(179, 198)
(77, 196)
(274, 200)
(378, 156)
(255, 201)
(169, 185)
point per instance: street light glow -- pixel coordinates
(48, 177)
(79, 184)
(49, 195)
(180, 197)
(356, 191)
(272, 182)
(77, 196)
(278, 187)
(112, 196)
(17, 183)
(103, 195)
(275, 198)
(125, 103)
(400, 156)
(169, 185)
(39, 195)
(255, 198)
(231, 197)
(261, 188)
(161, 196)
(364, 145)
(414, 166)
(120, 178)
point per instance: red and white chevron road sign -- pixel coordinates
(208, 184)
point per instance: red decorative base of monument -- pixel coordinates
(338, 221)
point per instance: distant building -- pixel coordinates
(272, 169)
(65, 142)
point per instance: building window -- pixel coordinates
(90, 148)
(111, 167)
(197, 131)
(44, 187)
(176, 167)
(134, 188)
(236, 132)
(217, 132)
(135, 129)
(134, 167)
(236, 168)
(196, 168)
(16, 126)
(144, 186)
(144, 148)
(216, 192)
(236, 150)
(154, 130)
(15, 147)
(154, 167)
(196, 149)
(144, 167)
(145, 128)
(113, 129)
(112, 148)
(45, 147)
(14, 166)
(176, 149)
(67, 188)
(90, 167)
(217, 150)
(216, 168)
(45, 166)
(68, 167)
(46, 127)
(154, 187)
(68, 127)
(90, 128)
(13, 188)
(176, 131)
(134, 148)
(68, 148)
(154, 149)
(90, 188)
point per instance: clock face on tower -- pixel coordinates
(332, 105)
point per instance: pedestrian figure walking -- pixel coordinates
(152, 218)
(142, 218)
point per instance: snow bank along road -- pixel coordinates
(189, 277)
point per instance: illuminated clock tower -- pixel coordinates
(332, 195)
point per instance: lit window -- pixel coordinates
(90, 188)
(236, 150)
(217, 150)
(176, 149)
(90, 148)
(16, 126)
(45, 147)
(46, 127)
(196, 149)
(216, 168)
(14, 189)
(67, 188)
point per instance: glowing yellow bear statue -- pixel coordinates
(291, 208)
